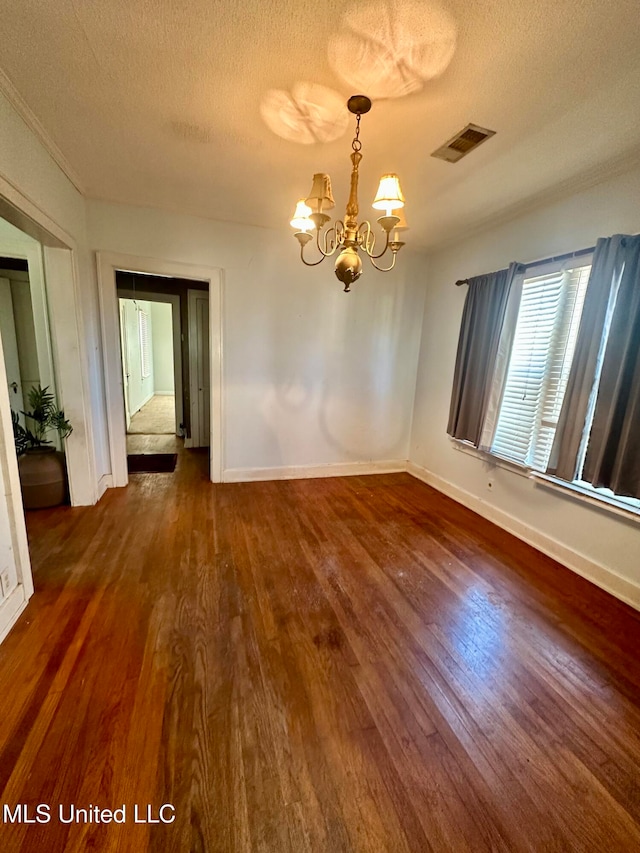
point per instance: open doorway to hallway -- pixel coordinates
(33, 466)
(42, 345)
(17, 331)
(149, 368)
(164, 340)
(28, 364)
(131, 276)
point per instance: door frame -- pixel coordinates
(63, 365)
(108, 263)
(124, 346)
(60, 259)
(194, 397)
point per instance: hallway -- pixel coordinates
(348, 664)
(153, 428)
(157, 417)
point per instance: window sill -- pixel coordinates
(580, 493)
(586, 495)
(490, 458)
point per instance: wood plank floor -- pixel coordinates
(353, 664)
(154, 444)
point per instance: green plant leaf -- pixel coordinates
(45, 415)
(20, 434)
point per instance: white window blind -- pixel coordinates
(543, 347)
(145, 344)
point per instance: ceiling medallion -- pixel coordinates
(350, 237)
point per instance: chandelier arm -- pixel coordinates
(384, 269)
(366, 237)
(386, 246)
(328, 239)
(310, 263)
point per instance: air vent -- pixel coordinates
(462, 143)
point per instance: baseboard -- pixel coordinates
(142, 405)
(599, 575)
(302, 472)
(10, 610)
(105, 482)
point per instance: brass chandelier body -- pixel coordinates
(349, 237)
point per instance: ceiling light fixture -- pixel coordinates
(350, 236)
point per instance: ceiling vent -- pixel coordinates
(462, 143)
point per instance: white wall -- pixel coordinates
(27, 165)
(162, 332)
(312, 376)
(604, 546)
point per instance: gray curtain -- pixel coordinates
(608, 263)
(482, 320)
(613, 452)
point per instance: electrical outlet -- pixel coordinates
(4, 582)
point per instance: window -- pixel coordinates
(145, 344)
(551, 300)
(530, 333)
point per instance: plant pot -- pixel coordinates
(43, 477)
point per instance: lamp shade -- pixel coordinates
(301, 216)
(389, 196)
(320, 198)
(400, 226)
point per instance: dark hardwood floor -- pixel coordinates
(353, 664)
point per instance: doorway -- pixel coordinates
(111, 267)
(151, 374)
(17, 332)
(164, 357)
(20, 372)
(36, 324)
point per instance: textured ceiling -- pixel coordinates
(158, 102)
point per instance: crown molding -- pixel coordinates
(33, 123)
(557, 192)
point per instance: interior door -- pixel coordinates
(199, 367)
(10, 346)
(124, 347)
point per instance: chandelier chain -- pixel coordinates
(356, 144)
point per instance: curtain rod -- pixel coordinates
(564, 257)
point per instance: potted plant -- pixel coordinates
(43, 474)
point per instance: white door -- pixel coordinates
(16, 585)
(10, 347)
(124, 347)
(199, 380)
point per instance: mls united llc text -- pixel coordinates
(45, 813)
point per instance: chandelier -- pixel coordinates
(349, 237)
